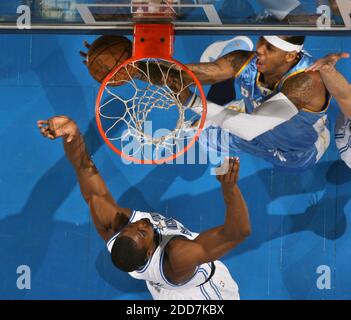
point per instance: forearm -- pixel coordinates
(335, 83)
(76, 152)
(103, 208)
(166, 74)
(90, 182)
(339, 88)
(237, 221)
(218, 241)
(208, 73)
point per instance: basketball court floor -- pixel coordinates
(300, 222)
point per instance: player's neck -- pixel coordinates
(271, 78)
(156, 240)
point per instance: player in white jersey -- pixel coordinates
(340, 89)
(176, 263)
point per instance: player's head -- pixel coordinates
(134, 246)
(277, 52)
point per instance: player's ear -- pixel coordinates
(291, 56)
(149, 252)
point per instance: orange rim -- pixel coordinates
(142, 161)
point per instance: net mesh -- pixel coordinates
(154, 8)
(145, 109)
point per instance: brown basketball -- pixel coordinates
(106, 53)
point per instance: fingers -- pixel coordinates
(345, 55)
(228, 172)
(57, 126)
(328, 62)
(41, 123)
(45, 131)
(227, 177)
(310, 68)
(234, 176)
(319, 65)
(85, 56)
(334, 58)
(316, 66)
(87, 44)
(222, 170)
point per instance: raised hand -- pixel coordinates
(328, 62)
(228, 175)
(58, 126)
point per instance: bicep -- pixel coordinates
(306, 91)
(208, 246)
(103, 207)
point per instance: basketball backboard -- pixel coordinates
(192, 16)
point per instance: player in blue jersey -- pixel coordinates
(282, 114)
(175, 262)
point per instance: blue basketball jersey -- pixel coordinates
(298, 143)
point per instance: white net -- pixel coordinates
(151, 8)
(145, 110)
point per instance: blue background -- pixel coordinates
(299, 221)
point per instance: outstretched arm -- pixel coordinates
(185, 255)
(224, 68)
(334, 81)
(107, 215)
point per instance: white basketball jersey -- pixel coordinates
(167, 228)
(343, 138)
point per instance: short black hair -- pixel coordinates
(126, 255)
(299, 40)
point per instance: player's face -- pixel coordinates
(142, 232)
(269, 58)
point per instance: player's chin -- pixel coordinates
(261, 68)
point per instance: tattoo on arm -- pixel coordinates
(299, 90)
(237, 59)
(224, 68)
(206, 72)
(162, 73)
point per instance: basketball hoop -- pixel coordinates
(152, 9)
(149, 90)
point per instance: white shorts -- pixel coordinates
(221, 287)
(343, 138)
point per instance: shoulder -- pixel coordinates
(177, 264)
(306, 90)
(175, 249)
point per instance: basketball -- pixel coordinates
(106, 53)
